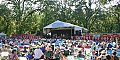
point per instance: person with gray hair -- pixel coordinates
(37, 53)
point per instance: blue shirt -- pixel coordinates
(110, 46)
(57, 43)
(118, 53)
(0, 44)
(81, 56)
(39, 40)
(109, 52)
(19, 44)
(43, 49)
(53, 41)
(30, 56)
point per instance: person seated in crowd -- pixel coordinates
(118, 51)
(30, 55)
(3, 47)
(37, 53)
(108, 57)
(11, 43)
(101, 49)
(57, 54)
(25, 50)
(80, 46)
(19, 52)
(114, 57)
(105, 56)
(66, 51)
(93, 56)
(42, 48)
(15, 47)
(87, 46)
(4, 53)
(49, 53)
(80, 55)
(63, 56)
(109, 45)
(14, 55)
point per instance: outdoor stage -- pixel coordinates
(63, 29)
(62, 33)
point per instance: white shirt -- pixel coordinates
(92, 58)
(38, 53)
(4, 54)
(22, 58)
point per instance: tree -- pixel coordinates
(30, 16)
(6, 23)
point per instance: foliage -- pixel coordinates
(30, 16)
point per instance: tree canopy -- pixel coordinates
(30, 16)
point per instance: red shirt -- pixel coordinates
(87, 46)
(80, 46)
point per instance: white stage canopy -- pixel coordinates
(2, 34)
(60, 24)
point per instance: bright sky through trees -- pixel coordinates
(29, 17)
(114, 2)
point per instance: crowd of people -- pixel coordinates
(58, 49)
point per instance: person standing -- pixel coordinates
(37, 53)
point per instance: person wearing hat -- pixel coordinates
(37, 53)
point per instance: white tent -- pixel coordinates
(2, 34)
(60, 24)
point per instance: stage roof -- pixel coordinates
(60, 24)
(2, 34)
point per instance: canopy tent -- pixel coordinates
(2, 34)
(61, 25)
(58, 24)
